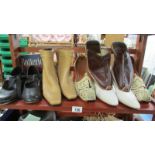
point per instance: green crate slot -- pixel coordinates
(5, 53)
(4, 45)
(4, 41)
(5, 49)
(6, 61)
(4, 37)
(7, 69)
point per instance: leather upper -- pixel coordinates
(99, 64)
(123, 68)
(11, 88)
(32, 86)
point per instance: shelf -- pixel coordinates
(36, 49)
(76, 49)
(88, 107)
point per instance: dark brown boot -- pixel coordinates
(99, 66)
(123, 75)
(123, 68)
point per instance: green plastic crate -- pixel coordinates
(4, 37)
(5, 53)
(4, 45)
(6, 61)
(7, 69)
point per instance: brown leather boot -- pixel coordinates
(123, 68)
(99, 66)
(123, 75)
(51, 88)
(65, 58)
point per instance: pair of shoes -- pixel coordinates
(57, 79)
(83, 83)
(16, 87)
(11, 87)
(112, 84)
(32, 86)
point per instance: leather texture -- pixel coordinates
(108, 96)
(123, 68)
(51, 88)
(123, 75)
(65, 59)
(11, 88)
(32, 86)
(99, 66)
(127, 98)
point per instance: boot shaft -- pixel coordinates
(65, 59)
(123, 68)
(47, 57)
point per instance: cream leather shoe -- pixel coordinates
(107, 96)
(127, 98)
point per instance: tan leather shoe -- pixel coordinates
(65, 58)
(51, 88)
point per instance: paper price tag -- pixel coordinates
(76, 109)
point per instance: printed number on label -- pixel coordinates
(76, 109)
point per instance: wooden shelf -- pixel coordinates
(36, 49)
(88, 107)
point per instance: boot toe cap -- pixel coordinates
(107, 96)
(128, 99)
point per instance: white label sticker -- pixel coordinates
(76, 109)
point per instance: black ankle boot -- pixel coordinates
(32, 86)
(11, 88)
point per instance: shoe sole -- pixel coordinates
(32, 102)
(8, 102)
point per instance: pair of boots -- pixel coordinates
(57, 79)
(112, 84)
(23, 86)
